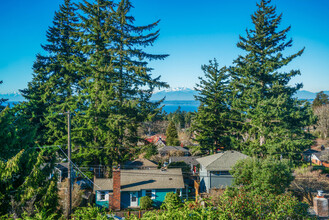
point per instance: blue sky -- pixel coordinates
(192, 32)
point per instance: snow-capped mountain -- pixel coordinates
(183, 93)
(13, 97)
(171, 94)
(179, 93)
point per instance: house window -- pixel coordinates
(153, 194)
(222, 172)
(178, 192)
(102, 196)
(149, 193)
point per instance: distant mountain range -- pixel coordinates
(175, 94)
(188, 94)
(180, 93)
(13, 97)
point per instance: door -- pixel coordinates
(133, 199)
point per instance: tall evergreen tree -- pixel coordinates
(16, 132)
(117, 80)
(55, 79)
(25, 185)
(2, 100)
(272, 119)
(320, 99)
(211, 122)
(172, 135)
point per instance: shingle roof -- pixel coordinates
(170, 148)
(221, 161)
(140, 163)
(187, 160)
(319, 154)
(136, 180)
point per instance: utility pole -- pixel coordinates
(69, 194)
(69, 168)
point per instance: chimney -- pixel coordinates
(320, 205)
(115, 199)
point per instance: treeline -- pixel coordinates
(250, 105)
(95, 66)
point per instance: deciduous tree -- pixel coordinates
(320, 99)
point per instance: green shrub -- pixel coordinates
(146, 202)
(172, 201)
(263, 175)
(238, 203)
(90, 212)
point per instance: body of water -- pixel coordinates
(188, 106)
(169, 106)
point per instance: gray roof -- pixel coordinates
(140, 163)
(221, 161)
(187, 160)
(319, 154)
(136, 180)
(170, 148)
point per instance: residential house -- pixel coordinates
(140, 164)
(215, 169)
(126, 187)
(62, 169)
(158, 140)
(321, 157)
(173, 150)
(191, 161)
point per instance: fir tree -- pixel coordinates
(116, 80)
(25, 185)
(16, 132)
(272, 119)
(2, 100)
(320, 99)
(211, 122)
(172, 135)
(55, 79)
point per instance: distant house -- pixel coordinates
(62, 170)
(191, 160)
(215, 169)
(126, 187)
(158, 140)
(170, 150)
(320, 157)
(141, 164)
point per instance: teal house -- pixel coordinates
(126, 187)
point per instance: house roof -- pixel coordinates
(62, 166)
(187, 160)
(155, 138)
(171, 148)
(140, 163)
(221, 161)
(136, 180)
(321, 153)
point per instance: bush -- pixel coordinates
(263, 175)
(86, 213)
(146, 202)
(151, 150)
(238, 203)
(172, 201)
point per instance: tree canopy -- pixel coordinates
(272, 118)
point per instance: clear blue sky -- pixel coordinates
(192, 32)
